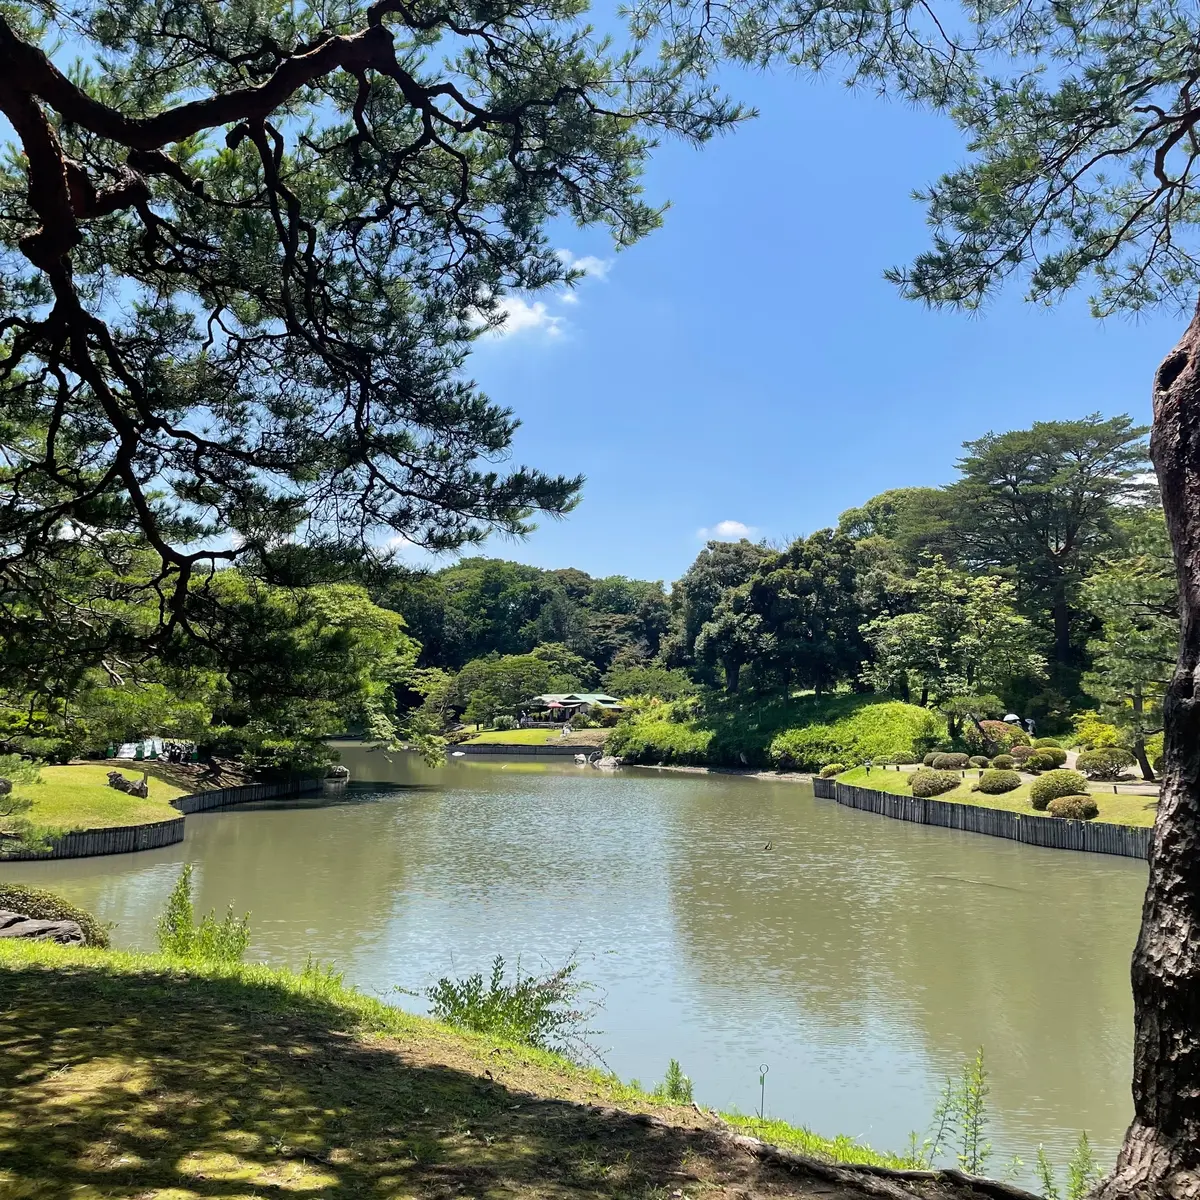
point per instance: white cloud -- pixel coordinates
(523, 316)
(589, 264)
(726, 531)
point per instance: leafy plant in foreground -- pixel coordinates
(676, 1087)
(210, 941)
(533, 1010)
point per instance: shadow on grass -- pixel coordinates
(163, 1084)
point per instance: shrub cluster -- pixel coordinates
(1045, 760)
(951, 762)
(999, 735)
(1021, 753)
(928, 760)
(979, 760)
(504, 723)
(996, 783)
(46, 906)
(1073, 808)
(874, 731)
(832, 769)
(927, 783)
(1054, 784)
(1107, 762)
(1004, 762)
(1047, 743)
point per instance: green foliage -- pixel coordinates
(1021, 753)
(46, 906)
(1074, 808)
(676, 1087)
(224, 941)
(1004, 762)
(664, 682)
(997, 782)
(926, 783)
(875, 731)
(1107, 763)
(1054, 784)
(951, 762)
(978, 760)
(1091, 732)
(964, 637)
(831, 769)
(501, 684)
(1045, 759)
(504, 723)
(531, 1010)
(960, 1119)
(996, 736)
(929, 759)
(1046, 743)
(660, 740)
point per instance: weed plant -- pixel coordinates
(211, 940)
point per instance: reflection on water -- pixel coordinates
(863, 959)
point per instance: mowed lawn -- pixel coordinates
(537, 737)
(78, 797)
(1121, 809)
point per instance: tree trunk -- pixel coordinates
(1062, 625)
(925, 696)
(733, 669)
(1161, 1153)
(1139, 742)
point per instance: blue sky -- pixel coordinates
(748, 363)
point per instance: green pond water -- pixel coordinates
(861, 959)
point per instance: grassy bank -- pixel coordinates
(78, 797)
(1127, 809)
(801, 733)
(126, 1075)
(537, 737)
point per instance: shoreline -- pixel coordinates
(744, 772)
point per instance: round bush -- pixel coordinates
(1043, 743)
(1073, 808)
(951, 762)
(996, 783)
(1004, 762)
(1045, 760)
(901, 760)
(933, 783)
(46, 906)
(504, 723)
(1021, 753)
(832, 769)
(1108, 762)
(927, 761)
(978, 760)
(1054, 784)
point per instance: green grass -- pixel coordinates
(537, 737)
(1122, 809)
(801, 733)
(132, 1075)
(78, 797)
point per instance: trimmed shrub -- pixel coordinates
(1107, 762)
(999, 735)
(1021, 753)
(661, 741)
(46, 906)
(1045, 760)
(996, 783)
(927, 761)
(504, 723)
(1091, 732)
(978, 760)
(1073, 808)
(933, 783)
(951, 762)
(828, 772)
(1004, 762)
(1044, 743)
(1054, 784)
(901, 760)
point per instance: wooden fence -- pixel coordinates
(1098, 837)
(123, 839)
(824, 789)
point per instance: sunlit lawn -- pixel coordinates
(517, 737)
(1123, 809)
(78, 797)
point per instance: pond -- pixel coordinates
(862, 959)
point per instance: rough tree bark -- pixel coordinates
(1161, 1153)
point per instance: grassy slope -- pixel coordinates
(1120, 810)
(126, 1075)
(537, 737)
(78, 797)
(737, 731)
